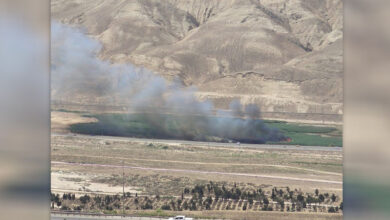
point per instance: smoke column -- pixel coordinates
(76, 71)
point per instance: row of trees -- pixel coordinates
(236, 193)
(203, 197)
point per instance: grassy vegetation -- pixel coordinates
(308, 135)
(137, 125)
(69, 111)
(134, 125)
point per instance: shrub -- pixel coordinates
(147, 205)
(64, 207)
(166, 207)
(84, 199)
(109, 208)
(332, 209)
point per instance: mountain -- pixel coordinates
(284, 55)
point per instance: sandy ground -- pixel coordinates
(60, 121)
(84, 164)
(98, 156)
(62, 181)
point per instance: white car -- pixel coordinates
(180, 217)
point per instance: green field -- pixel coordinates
(309, 135)
(190, 128)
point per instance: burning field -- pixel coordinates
(206, 128)
(182, 127)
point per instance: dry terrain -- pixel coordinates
(159, 171)
(283, 55)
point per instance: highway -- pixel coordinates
(211, 144)
(76, 216)
(97, 217)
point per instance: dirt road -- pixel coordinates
(197, 171)
(211, 144)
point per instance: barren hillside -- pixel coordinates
(284, 55)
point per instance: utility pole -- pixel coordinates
(123, 195)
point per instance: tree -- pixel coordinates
(147, 205)
(109, 208)
(107, 199)
(173, 204)
(97, 199)
(333, 197)
(281, 203)
(57, 198)
(311, 199)
(209, 200)
(280, 192)
(185, 205)
(265, 201)
(291, 194)
(321, 198)
(332, 209)
(64, 207)
(84, 199)
(316, 192)
(193, 205)
(273, 195)
(300, 198)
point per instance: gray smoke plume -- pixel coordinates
(76, 70)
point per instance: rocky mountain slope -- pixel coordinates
(284, 55)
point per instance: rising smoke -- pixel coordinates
(77, 70)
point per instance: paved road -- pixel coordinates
(198, 171)
(215, 144)
(85, 217)
(72, 216)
